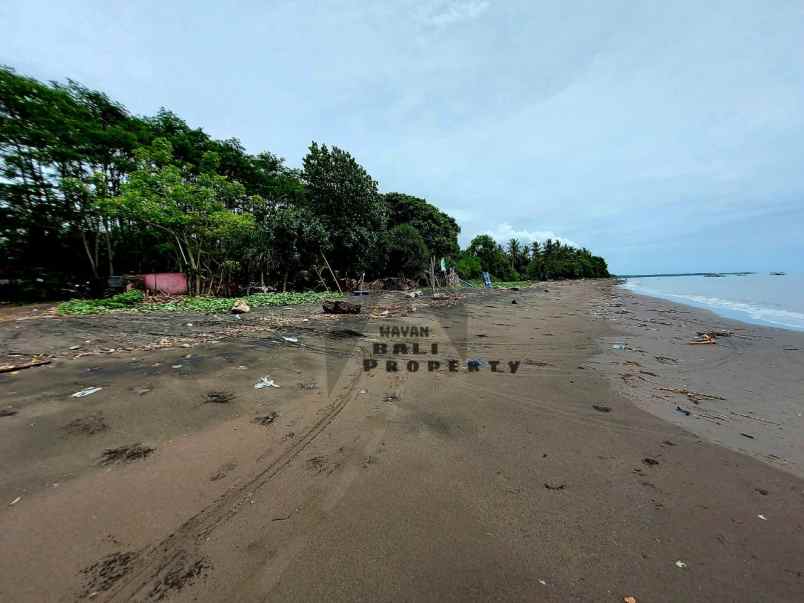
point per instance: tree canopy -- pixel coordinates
(88, 190)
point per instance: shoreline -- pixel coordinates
(758, 372)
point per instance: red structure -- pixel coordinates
(170, 283)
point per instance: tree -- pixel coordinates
(405, 252)
(196, 212)
(439, 231)
(345, 197)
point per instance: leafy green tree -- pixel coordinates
(439, 231)
(194, 212)
(405, 252)
(345, 197)
(468, 267)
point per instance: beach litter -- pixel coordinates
(87, 391)
(680, 564)
(683, 411)
(693, 396)
(265, 382)
(601, 408)
(291, 339)
(8, 368)
(705, 339)
(762, 517)
(476, 363)
(266, 419)
(618, 346)
(629, 600)
(15, 501)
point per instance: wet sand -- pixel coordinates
(559, 481)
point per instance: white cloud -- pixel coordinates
(504, 232)
(457, 11)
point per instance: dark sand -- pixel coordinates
(427, 486)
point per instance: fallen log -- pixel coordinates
(8, 368)
(340, 307)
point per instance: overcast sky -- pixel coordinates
(665, 136)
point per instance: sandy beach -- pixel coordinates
(588, 452)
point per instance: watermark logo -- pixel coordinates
(397, 334)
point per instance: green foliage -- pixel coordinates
(88, 190)
(133, 301)
(405, 252)
(439, 231)
(468, 267)
(345, 198)
(120, 301)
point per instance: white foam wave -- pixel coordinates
(773, 316)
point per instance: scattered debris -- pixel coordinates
(141, 391)
(7, 412)
(87, 391)
(219, 397)
(441, 295)
(601, 408)
(75, 347)
(713, 334)
(761, 491)
(340, 307)
(745, 435)
(513, 301)
(15, 501)
(666, 359)
(308, 386)
(762, 517)
(177, 366)
(629, 599)
(683, 411)
(649, 461)
(694, 396)
(291, 339)
(552, 487)
(476, 363)
(413, 294)
(705, 339)
(89, 425)
(618, 346)
(8, 368)
(680, 564)
(265, 382)
(240, 307)
(266, 419)
(125, 454)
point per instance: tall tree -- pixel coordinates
(341, 192)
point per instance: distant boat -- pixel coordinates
(778, 273)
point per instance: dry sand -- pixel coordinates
(563, 481)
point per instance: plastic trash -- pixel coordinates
(762, 517)
(15, 501)
(680, 564)
(87, 391)
(291, 339)
(265, 382)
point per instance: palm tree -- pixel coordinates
(513, 251)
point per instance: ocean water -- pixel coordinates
(776, 301)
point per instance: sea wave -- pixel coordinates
(730, 308)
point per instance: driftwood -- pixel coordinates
(8, 368)
(340, 307)
(706, 339)
(694, 396)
